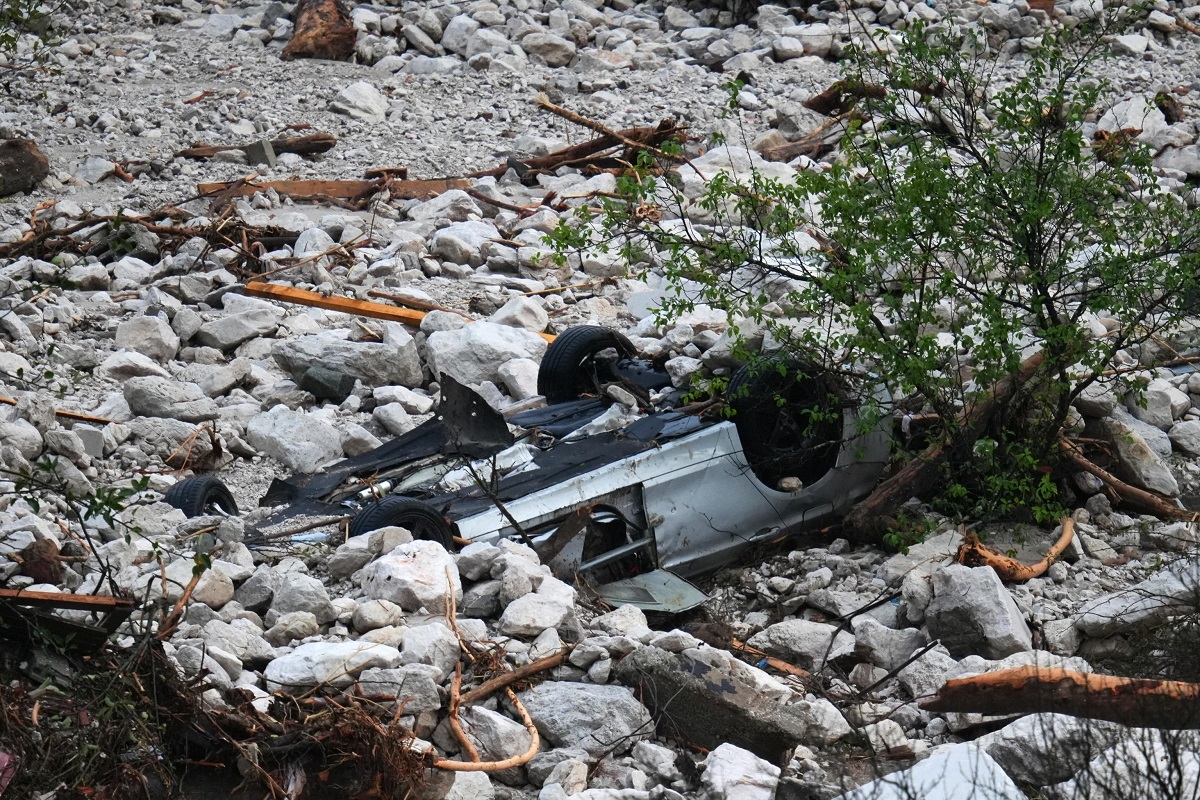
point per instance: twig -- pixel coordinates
(172, 620)
(553, 289)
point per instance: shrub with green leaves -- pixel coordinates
(18, 18)
(967, 222)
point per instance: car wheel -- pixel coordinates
(790, 424)
(202, 495)
(422, 520)
(569, 369)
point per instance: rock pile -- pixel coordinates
(173, 368)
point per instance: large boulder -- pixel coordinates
(951, 773)
(972, 613)
(590, 717)
(242, 638)
(304, 593)
(162, 397)
(1041, 749)
(462, 242)
(178, 444)
(474, 354)
(554, 50)
(150, 336)
(390, 362)
(228, 331)
(736, 774)
(1140, 465)
(807, 644)
(1144, 605)
(419, 574)
(302, 441)
(708, 697)
(335, 663)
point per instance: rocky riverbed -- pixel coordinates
(145, 334)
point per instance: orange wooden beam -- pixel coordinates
(346, 305)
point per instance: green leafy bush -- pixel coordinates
(967, 223)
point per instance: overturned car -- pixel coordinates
(629, 501)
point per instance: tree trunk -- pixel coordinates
(875, 515)
(323, 30)
(1137, 702)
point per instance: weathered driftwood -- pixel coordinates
(604, 130)
(875, 515)
(642, 137)
(312, 144)
(323, 30)
(1137, 702)
(974, 553)
(348, 193)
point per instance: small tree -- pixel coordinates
(967, 224)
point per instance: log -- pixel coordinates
(311, 144)
(323, 30)
(22, 166)
(1137, 702)
(1156, 504)
(875, 515)
(974, 553)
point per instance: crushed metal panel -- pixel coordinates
(659, 590)
(476, 429)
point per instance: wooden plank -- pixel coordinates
(341, 189)
(346, 305)
(78, 602)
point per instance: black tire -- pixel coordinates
(201, 495)
(569, 369)
(790, 425)
(422, 520)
